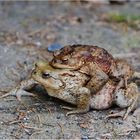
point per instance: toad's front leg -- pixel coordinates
(83, 97)
(20, 89)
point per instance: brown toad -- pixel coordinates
(95, 62)
(71, 86)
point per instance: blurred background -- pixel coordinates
(29, 28)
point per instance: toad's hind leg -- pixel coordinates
(83, 101)
(20, 90)
(124, 114)
(128, 98)
(132, 106)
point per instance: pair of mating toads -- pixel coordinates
(86, 76)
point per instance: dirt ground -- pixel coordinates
(26, 31)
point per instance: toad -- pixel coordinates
(71, 86)
(95, 62)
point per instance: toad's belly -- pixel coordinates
(104, 98)
(64, 95)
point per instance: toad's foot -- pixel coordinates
(132, 107)
(128, 98)
(124, 114)
(20, 89)
(74, 110)
(117, 114)
(18, 93)
(66, 107)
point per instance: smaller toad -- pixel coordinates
(95, 62)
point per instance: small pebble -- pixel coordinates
(19, 42)
(54, 47)
(58, 117)
(38, 43)
(24, 119)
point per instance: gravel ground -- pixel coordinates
(26, 30)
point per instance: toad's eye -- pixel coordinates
(65, 60)
(45, 75)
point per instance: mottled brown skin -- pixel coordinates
(71, 86)
(91, 60)
(75, 56)
(121, 72)
(95, 62)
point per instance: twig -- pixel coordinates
(30, 127)
(61, 126)
(37, 132)
(39, 119)
(49, 111)
(16, 137)
(16, 121)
